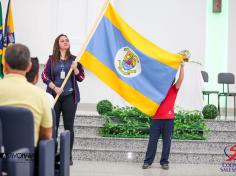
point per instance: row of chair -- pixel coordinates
(225, 79)
(17, 137)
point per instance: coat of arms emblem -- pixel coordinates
(127, 62)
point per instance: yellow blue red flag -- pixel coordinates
(134, 67)
(1, 42)
(9, 36)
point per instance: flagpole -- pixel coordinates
(85, 43)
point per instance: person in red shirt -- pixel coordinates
(162, 124)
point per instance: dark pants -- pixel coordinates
(67, 107)
(164, 128)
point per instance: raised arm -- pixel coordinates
(181, 76)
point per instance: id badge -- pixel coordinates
(63, 75)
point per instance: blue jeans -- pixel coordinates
(157, 128)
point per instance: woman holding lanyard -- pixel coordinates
(55, 71)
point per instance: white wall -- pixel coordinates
(172, 24)
(232, 40)
(33, 24)
(38, 23)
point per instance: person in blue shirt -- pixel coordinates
(55, 71)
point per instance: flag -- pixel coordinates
(134, 67)
(9, 36)
(1, 42)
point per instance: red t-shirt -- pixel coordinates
(166, 108)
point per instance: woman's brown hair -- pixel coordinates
(56, 54)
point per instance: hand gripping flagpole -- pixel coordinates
(85, 44)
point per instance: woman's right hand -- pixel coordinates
(58, 90)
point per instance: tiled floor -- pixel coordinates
(93, 168)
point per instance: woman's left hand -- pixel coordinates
(74, 67)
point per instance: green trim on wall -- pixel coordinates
(216, 44)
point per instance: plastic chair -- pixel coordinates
(18, 135)
(226, 79)
(63, 157)
(65, 153)
(15, 166)
(208, 93)
(18, 166)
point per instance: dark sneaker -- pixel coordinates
(71, 162)
(146, 166)
(165, 166)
